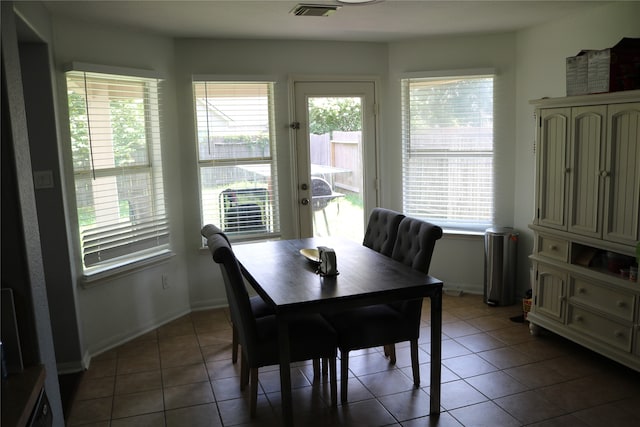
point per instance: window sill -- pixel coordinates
(462, 234)
(125, 267)
(240, 239)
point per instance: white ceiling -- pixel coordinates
(383, 21)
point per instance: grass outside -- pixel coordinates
(344, 217)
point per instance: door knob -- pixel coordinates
(304, 186)
(304, 201)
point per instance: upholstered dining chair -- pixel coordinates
(311, 337)
(388, 324)
(382, 229)
(259, 308)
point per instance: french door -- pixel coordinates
(335, 133)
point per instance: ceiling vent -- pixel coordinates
(314, 9)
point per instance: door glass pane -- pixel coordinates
(335, 149)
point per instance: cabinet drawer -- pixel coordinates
(552, 247)
(608, 331)
(617, 303)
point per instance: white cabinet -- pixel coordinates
(588, 214)
(589, 171)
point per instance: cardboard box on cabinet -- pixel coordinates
(607, 70)
(577, 74)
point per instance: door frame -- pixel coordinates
(369, 176)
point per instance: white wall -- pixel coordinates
(36, 56)
(540, 64)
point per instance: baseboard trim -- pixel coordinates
(461, 288)
(71, 367)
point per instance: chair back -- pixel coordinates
(414, 246)
(382, 230)
(237, 295)
(415, 242)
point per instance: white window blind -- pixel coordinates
(236, 155)
(447, 133)
(115, 140)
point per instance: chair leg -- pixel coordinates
(333, 380)
(325, 363)
(244, 373)
(415, 363)
(316, 370)
(254, 392)
(390, 352)
(234, 344)
(344, 375)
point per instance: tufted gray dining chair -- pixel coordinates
(311, 337)
(388, 324)
(259, 308)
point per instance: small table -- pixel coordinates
(287, 281)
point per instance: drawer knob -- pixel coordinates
(582, 291)
(621, 304)
(579, 318)
(618, 334)
(553, 247)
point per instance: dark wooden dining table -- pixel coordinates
(288, 282)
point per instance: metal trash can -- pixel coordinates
(500, 251)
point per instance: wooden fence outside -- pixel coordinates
(341, 151)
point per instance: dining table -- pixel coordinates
(285, 274)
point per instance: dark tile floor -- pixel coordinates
(494, 373)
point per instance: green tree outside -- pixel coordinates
(334, 114)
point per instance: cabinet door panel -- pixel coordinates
(622, 183)
(586, 165)
(554, 135)
(549, 298)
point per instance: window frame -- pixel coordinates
(450, 225)
(141, 242)
(266, 164)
